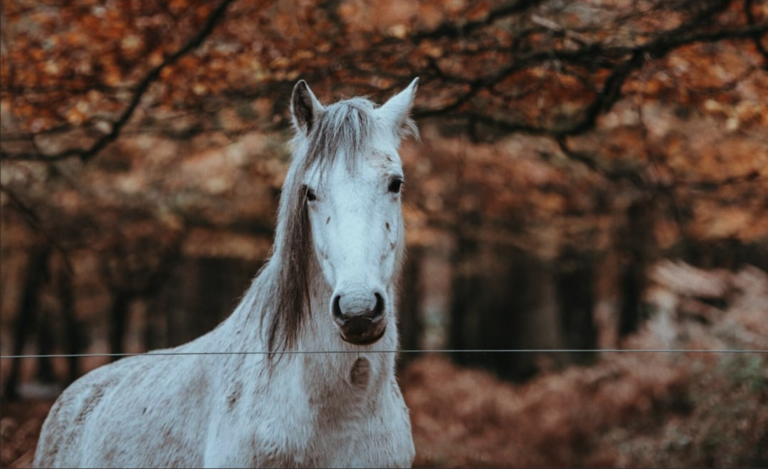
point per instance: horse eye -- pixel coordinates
(394, 185)
(310, 194)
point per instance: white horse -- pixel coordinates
(329, 286)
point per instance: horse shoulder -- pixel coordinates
(119, 413)
(61, 435)
(158, 417)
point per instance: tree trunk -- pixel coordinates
(121, 302)
(220, 284)
(634, 245)
(409, 325)
(74, 336)
(45, 339)
(466, 284)
(577, 304)
(533, 315)
(37, 272)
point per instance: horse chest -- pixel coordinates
(369, 433)
(298, 429)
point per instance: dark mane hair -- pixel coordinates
(344, 128)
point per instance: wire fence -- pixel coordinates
(330, 352)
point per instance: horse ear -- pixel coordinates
(304, 107)
(396, 111)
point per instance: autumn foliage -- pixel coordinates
(568, 149)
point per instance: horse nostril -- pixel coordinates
(336, 308)
(378, 310)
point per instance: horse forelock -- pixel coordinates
(344, 129)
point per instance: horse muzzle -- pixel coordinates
(361, 320)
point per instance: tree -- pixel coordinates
(549, 126)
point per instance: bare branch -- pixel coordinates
(33, 221)
(453, 30)
(757, 37)
(597, 54)
(141, 89)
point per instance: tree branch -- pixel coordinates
(141, 89)
(611, 91)
(33, 221)
(757, 36)
(451, 30)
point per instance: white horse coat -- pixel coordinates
(329, 286)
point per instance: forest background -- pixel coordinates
(591, 175)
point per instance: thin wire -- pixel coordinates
(312, 352)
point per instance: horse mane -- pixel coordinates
(341, 129)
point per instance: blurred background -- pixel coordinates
(591, 175)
